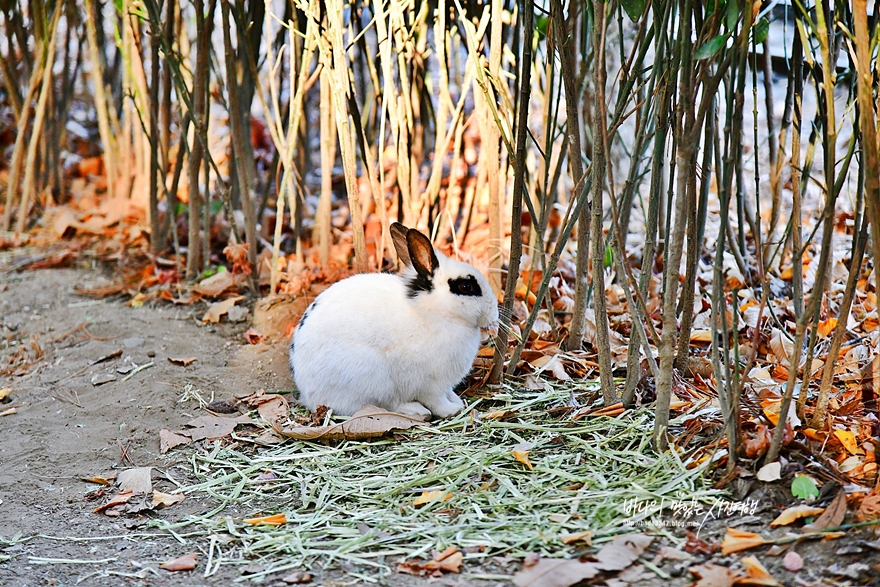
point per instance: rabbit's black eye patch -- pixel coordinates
(465, 286)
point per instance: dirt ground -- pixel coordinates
(65, 428)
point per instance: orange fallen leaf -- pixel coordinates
(757, 574)
(712, 576)
(869, 508)
(218, 309)
(252, 336)
(585, 536)
(186, 562)
(848, 440)
(792, 514)
(182, 362)
(826, 327)
(430, 496)
(737, 540)
(521, 453)
(448, 561)
(237, 255)
(273, 520)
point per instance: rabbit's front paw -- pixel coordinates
(414, 410)
(447, 405)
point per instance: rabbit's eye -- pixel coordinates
(465, 286)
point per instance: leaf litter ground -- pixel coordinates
(354, 503)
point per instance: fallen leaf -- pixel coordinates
(120, 498)
(757, 573)
(169, 439)
(237, 255)
(273, 520)
(102, 378)
(218, 283)
(832, 517)
(368, 422)
(213, 427)
(432, 496)
(107, 357)
(792, 514)
(4, 393)
(521, 453)
(182, 362)
(848, 440)
(826, 327)
(585, 536)
(555, 572)
(136, 480)
(252, 336)
(272, 407)
(218, 309)
(8, 412)
(164, 500)
(101, 480)
(737, 540)
(869, 508)
(297, 578)
(792, 561)
(622, 551)
(712, 576)
(803, 487)
(447, 561)
(770, 472)
(186, 562)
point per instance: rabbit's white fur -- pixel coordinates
(382, 339)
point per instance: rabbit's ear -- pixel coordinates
(398, 237)
(421, 253)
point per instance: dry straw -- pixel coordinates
(353, 502)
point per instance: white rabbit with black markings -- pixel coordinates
(397, 341)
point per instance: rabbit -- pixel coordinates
(399, 341)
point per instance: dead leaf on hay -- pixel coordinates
(368, 422)
(448, 561)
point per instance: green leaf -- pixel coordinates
(733, 13)
(710, 47)
(804, 487)
(634, 8)
(542, 25)
(762, 28)
(609, 257)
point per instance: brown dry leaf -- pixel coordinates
(164, 500)
(213, 427)
(832, 517)
(432, 496)
(106, 481)
(869, 508)
(182, 362)
(712, 576)
(218, 309)
(622, 551)
(757, 574)
(826, 327)
(737, 540)
(447, 561)
(521, 453)
(792, 514)
(218, 283)
(273, 520)
(585, 536)
(553, 365)
(792, 561)
(186, 562)
(169, 439)
(272, 407)
(237, 255)
(555, 572)
(120, 498)
(297, 578)
(368, 422)
(136, 480)
(252, 336)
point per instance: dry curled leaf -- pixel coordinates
(737, 540)
(237, 255)
(136, 480)
(368, 422)
(432, 496)
(521, 453)
(182, 362)
(555, 572)
(186, 562)
(448, 561)
(164, 500)
(792, 514)
(218, 309)
(712, 576)
(622, 551)
(585, 536)
(757, 573)
(869, 508)
(832, 516)
(169, 439)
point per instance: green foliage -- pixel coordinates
(803, 487)
(762, 28)
(634, 8)
(609, 257)
(710, 47)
